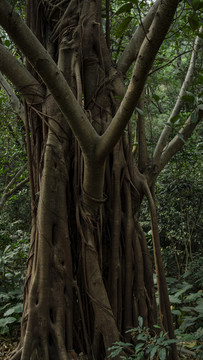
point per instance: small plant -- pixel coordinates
(187, 308)
(149, 344)
(12, 276)
(10, 316)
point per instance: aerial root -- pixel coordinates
(63, 354)
(17, 355)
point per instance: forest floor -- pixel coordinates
(8, 343)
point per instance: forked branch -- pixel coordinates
(131, 51)
(178, 141)
(50, 74)
(20, 77)
(146, 56)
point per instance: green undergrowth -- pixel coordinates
(12, 276)
(186, 298)
(148, 344)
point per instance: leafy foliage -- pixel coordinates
(187, 309)
(179, 202)
(16, 214)
(148, 343)
(12, 275)
(14, 218)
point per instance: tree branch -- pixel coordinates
(164, 303)
(178, 141)
(131, 51)
(146, 56)
(169, 62)
(168, 128)
(8, 193)
(20, 77)
(15, 103)
(51, 75)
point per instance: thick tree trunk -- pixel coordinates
(89, 271)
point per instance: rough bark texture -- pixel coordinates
(89, 271)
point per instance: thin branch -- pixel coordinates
(131, 51)
(141, 22)
(19, 173)
(164, 303)
(146, 56)
(51, 75)
(15, 103)
(20, 77)
(17, 355)
(179, 140)
(7, 193)
(176, 110)
(183, 350)
(169, 62)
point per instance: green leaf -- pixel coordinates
(7, 320)
(171, 341)
(176, 312)
(139, 111)
(196, 4)
(140, 321)
(121, 344)
(116, 352)
(189, 97)
(5, 306)
(142, 337)
(124, 8)
(9, 312)
(182, 138)
(193, 297)
(174, 119)
(174, 299)
(7, 43)
(139, 347)
(186, 285)
(162, 354)
(194, 117)
(153, 351)
(194, 22)
(199, 308)
(5, 330)
(157, 326)
(140, 356)
(131, 330)
(15, 309)
(116, 97)
(156, 97)
(123, 26)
